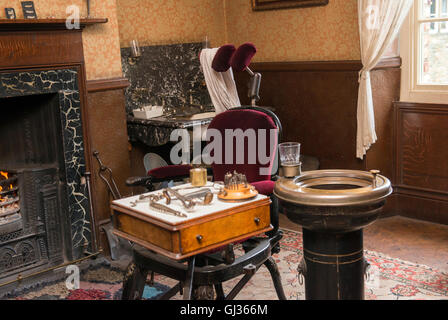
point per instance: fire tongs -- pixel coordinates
(118, 246)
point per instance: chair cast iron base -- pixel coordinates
(202, 272)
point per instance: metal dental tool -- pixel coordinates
(143, 198)
(202, 197)
(205, 196)
(217, 185)
(165, 209)
(233, 181)
(187, 203)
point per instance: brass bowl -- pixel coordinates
(333, 200)
(334, 188)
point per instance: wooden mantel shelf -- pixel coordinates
(44, 24)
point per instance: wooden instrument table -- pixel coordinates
(206, 228)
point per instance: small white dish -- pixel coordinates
(148, 112)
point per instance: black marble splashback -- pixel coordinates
(168, 75)
(157, 131)
(63, 84)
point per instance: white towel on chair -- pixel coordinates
(221, 85)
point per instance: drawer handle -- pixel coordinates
(199, 238)
(257, 220)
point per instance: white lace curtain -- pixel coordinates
(379, 24)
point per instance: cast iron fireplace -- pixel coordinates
(44, 208)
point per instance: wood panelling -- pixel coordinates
(340, 65)
(107, 84)
(418, 207)
(40, 48)
(107, 122)
(316, 102)
(421, 155)
(389, 62)
(316, 107)
(46, 42)
(294, 66)
(385, 84)
(422, 150)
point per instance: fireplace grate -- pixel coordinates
(11, 236)
(31, 234)
(10, 216)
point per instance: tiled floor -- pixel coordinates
(407, 239)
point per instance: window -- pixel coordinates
(432, 23)
(424, 48)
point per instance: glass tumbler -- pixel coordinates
(290, 158)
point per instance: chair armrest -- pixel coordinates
(139, 181)
(170, 172)
(166, 173)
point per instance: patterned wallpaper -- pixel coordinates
(157, 22)
(319, 33)
(101, 42)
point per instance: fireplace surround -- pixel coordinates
(44, 148)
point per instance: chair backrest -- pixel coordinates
(238, 128)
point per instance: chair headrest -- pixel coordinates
(221, 61)
(242, 57)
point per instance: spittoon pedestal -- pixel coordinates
(333, 206)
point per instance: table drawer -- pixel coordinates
(146, 231)
(236, 225)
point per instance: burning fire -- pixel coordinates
(5, 174)
(9, 203)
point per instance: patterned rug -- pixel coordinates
(389, 279)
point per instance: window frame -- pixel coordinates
(410, 48)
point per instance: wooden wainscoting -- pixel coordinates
(108, 136)
(421, 156)
(316, 102)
